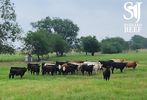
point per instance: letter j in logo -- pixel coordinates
(134, 10)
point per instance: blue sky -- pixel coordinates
(94, 17)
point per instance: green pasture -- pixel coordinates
(129, 85)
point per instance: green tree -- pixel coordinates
(38, 43)
(64, 27)
(90, 44)
(6, 49)
(59, 45)
(9, 29)
(138, 42)
(113, 45)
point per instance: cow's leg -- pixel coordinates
(59, 72)
(9, 75)
(134, 67)
(121, 70)
(108, 77)
(21, 76)
(112, 69)
(52, 73)
(91, 73)
(12, 76)
(82, 72)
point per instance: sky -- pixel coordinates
(94, 17)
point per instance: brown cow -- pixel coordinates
(131, 64)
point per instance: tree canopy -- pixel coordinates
(90, 44)
(64, 27)
(9, 28)
(138, 42)
(42, 42)
(113, 45)
(37, 43)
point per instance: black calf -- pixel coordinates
(34, 68)
(49, 69)
(118, 65)
(106, 73)
(17, 71)
(87, 68)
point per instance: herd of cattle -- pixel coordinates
(74, 67)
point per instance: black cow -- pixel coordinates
(50, 68)
(106, 64)
(118, 65)
(72, 68)
(34, 68)
(87, 68)
(106, 73)
(17, 71)
(111, 64)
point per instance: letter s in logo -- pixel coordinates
(134, 10)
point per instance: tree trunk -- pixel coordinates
(38, 58)
(61, 53)
(42, 57)
(86, 53)
(57, 54)
(92, 53)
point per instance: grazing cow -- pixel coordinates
(68, 68)
(34, 68)
(76, 64)
(59, 64)
(65, 69)
(131, 64)
(17, 71)
(49, 68)
(106, 73)
(87, 68)
(118, 65)
(73, 68)
(113, 65)
(106, 64)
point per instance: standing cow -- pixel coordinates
(131, 64)
(106, 73)
(17, 71)
(34, 68)
(87, 68)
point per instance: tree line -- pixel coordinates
(57, 35)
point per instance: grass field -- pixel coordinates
(129, 85)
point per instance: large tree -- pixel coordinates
(9, 29)
(90, 44)
(59, 45)
(64, 27)
(37, 43)
(138, 42)
(113, 45)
